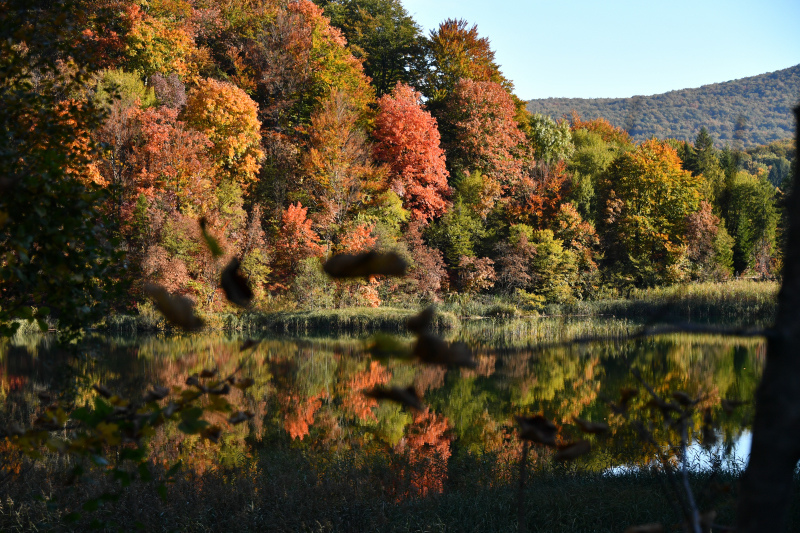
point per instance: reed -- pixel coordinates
(284, 489)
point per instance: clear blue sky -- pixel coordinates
(618, 48)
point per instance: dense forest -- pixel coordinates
(284, 132)
(740, 113)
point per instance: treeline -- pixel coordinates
(741, 113)
(289, 131)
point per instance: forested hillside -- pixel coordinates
(749, 111)
(287, 132)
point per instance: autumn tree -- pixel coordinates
(290, 58)
(159, 44)
(536, 196)
(514, 257)
(296, 240)
(229, 117)
(338, 172)
(709, 247)
(579, 237)
(457, 52)
(486, 137)
(427, 270)
(383, 35)
(408, 142)
(608, 132)
(171, 160)
(647, 196)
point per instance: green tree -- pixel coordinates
(457, 233)
(384, 36)
(551, 140)
(591, 158)
(751, 220)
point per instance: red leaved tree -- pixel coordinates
(426, 449)
(355, 401)
(487, 137)
(296, 240)
(537, 195)
(408, 142)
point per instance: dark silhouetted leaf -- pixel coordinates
(433, 350)
(212, 433)
(683, 398)
(158, 393)
(235, 285)
(249, 343)
(239, 417)
(591, 427)
(626, 394)
(220, 390)
(178, 310)
(729, 405)
(537, 429)
(243, 384)
(422, 322)
(102, 391)
(573, 450)
(365, 264)
(407, 396)
(213, 245)
(383, 346)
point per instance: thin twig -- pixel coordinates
(523, 463)
(694, 513)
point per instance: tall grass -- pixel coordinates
(287, 490)
(734, 302)
(738, 301)
(352, 320)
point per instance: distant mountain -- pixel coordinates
(746, 112)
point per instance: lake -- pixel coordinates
(311, 418)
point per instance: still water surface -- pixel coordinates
(309, 392)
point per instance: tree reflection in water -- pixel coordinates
(308, 399)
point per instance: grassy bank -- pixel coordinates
(739, 301)
(733, 302)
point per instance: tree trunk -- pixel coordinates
(767, 483)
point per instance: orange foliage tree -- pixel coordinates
(229, 117)
(426, 449)
(408, 142)
(537, 195)
(339, 174)
(602, 127)
(355, 401)
(171, 160)
(296, 240)
(458, 52)
(159, 45)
